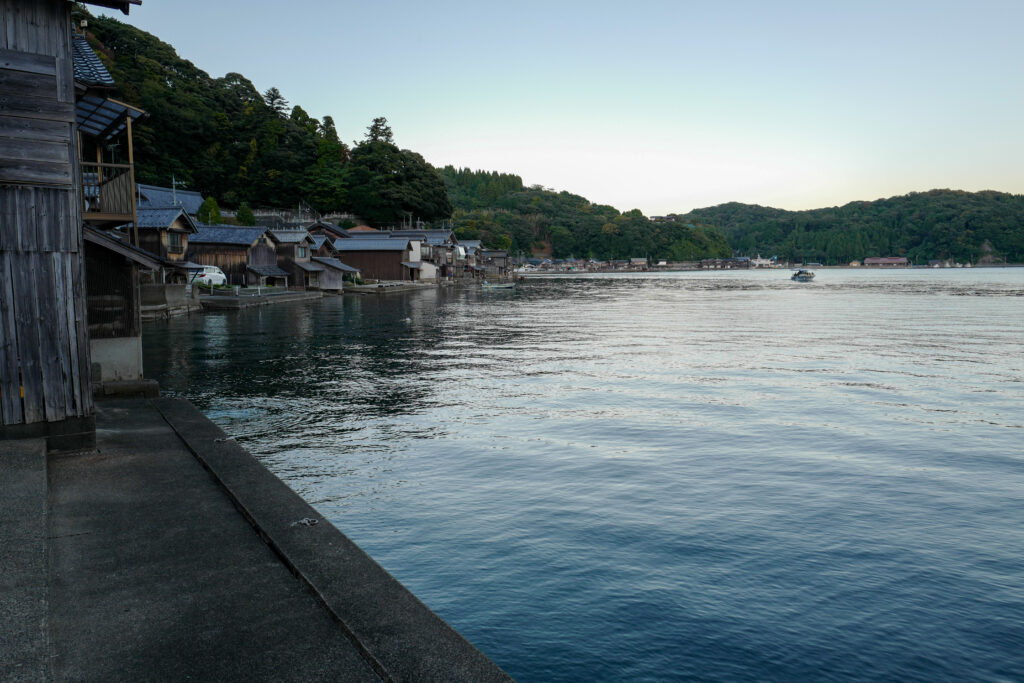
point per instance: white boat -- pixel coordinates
(498, 285)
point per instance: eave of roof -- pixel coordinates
(133, 253)
(122, 5)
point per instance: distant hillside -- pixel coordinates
(977, 227)
(497, 208)
(225, 139)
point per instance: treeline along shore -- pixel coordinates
(250, 150)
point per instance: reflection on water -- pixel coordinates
(709, 476)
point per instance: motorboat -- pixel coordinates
(498, 285)
(802, 276)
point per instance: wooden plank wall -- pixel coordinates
(44, 345)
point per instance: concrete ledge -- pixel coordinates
(235, 302)
(23, 565)
(396, 633)
(141, 388)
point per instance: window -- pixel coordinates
(300, 252)
(174, 243)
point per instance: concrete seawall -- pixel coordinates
(170, 552)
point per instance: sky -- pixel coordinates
(664, 106)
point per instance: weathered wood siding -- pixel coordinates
(44, 349)
(232, 259)
(378, 265)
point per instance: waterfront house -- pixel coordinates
(334, 274)
(886, 262)
(164, 232)
(495, 263)
(45, 364)
(379, 259)
(294, 249)
(247, 255)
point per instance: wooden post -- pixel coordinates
(131, 177)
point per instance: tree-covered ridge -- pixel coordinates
(497, 208)
(985, 227)
(225, 139)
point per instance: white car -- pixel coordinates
(209, 276)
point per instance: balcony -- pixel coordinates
(108, 195)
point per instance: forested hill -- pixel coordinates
(225, 139)
(976, 227)
(497, 208)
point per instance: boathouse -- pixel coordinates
(378, 258)
(247, 255)
(294, 249)
(44, 339)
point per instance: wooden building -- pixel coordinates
(112, 269)
(378, 259)
(165, 232)
(246, 255)
(44, 343)
(294, 249)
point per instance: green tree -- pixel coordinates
(384, 184)
(209, 212)
(245, 215)
(379, 131)
(276, 101)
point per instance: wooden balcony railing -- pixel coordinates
(107, 193)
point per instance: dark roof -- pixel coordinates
(371, 245)
(161, 218)
(290, 236)
(218, 234)
(122, 5)
(269, 271)
(444, 234)
(416, 265)
(370, 235)
(111, 241)
(153, 196)
(319, 240)
(89, 70)
(335, 230)
(335, 263)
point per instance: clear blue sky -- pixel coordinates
(663, 106)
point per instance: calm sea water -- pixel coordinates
(693, 476)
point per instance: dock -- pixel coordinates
(170, 552)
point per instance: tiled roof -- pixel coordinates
(335, 263)
(154, 196)
(308, 267)
(89, 70)
(289, 236)
(329, 227)
(371, 245)
(319, 240)
(161, 218)
(218, 234)
(268, 271)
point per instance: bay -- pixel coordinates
(650, 477)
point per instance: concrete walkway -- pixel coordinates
(170, 553)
